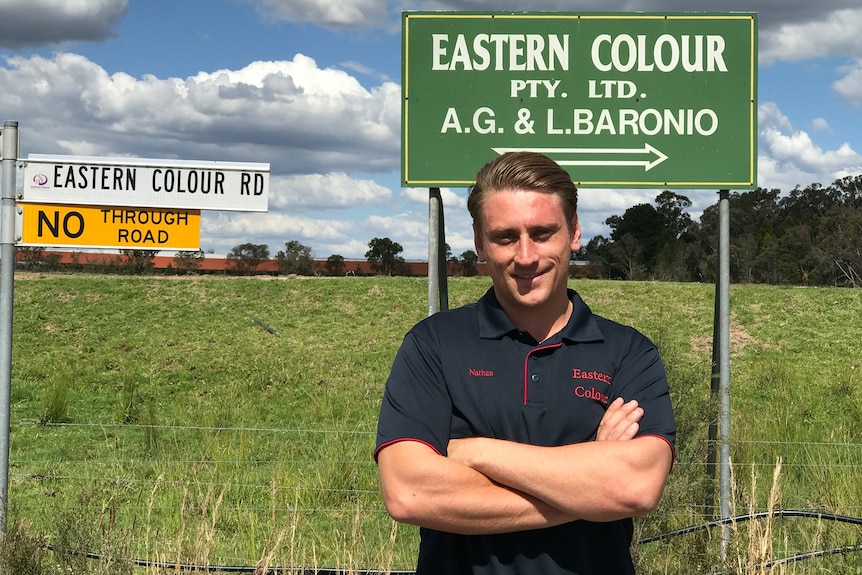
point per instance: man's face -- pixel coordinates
(526, 241)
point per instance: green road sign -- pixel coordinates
(620, 100)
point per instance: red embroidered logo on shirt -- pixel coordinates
(481, 372)
(592, 393)
(595, 375)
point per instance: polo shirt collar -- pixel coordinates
(494, 323)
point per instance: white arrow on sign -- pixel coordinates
(646, 164)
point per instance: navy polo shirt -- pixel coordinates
(471, 372)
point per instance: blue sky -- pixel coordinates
(312, 87)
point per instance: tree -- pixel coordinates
(806, 207)
(295, 259)
(743, 250)
(245, 258)
(468, 262)
(383, 256)
(596, 253)
(627, 255)
(671, 207)
(812, 235)
(334, 265)
(839, 249)
(32, 257)
(645, 232)
(850, 189)
(138, 261)
(189, 262)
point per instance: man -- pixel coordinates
(522, 433)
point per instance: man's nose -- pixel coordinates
(526, 253)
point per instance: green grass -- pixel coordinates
(156, 418)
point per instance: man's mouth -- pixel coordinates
(527, 277)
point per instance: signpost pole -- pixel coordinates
(7, 283)
(438, 293)
(712, 437)
(723, 295)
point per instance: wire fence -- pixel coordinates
(310, 496)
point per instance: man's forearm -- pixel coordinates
(597, 481)
(426, 489)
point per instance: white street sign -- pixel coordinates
(146, 183)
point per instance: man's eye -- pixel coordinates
(505, 239)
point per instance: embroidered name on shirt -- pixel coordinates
(592, 393)
(594, 375)
(481, 372)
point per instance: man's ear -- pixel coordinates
(576, 234)
(477, 242)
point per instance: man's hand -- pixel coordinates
(621, 421)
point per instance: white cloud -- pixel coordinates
(850, 86)
(221, 231)
(768, 114)
(826, 34)
(38, 22)
(329, 13)
(820, 125)
(800, 150)
(296, 116)
(325, 191)
(451, 199)
(789, 157)
(596, 205)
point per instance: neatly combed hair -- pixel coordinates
(523, 171)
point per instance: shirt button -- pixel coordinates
(534, 377)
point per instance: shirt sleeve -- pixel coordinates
(416, 404)
(641, 375)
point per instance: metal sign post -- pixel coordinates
(723, 305)
(438, 292)
(7, 283)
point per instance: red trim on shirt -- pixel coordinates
(669, 444)
(399, 440)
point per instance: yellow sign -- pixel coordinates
(113, 227)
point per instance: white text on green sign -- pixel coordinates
(621, 100)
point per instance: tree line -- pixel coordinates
(812, 235)
(383, 257)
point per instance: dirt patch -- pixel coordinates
(739, 339)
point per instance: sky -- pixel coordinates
(313, 88)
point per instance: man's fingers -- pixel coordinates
(620, 421)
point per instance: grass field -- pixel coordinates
(230, 421)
